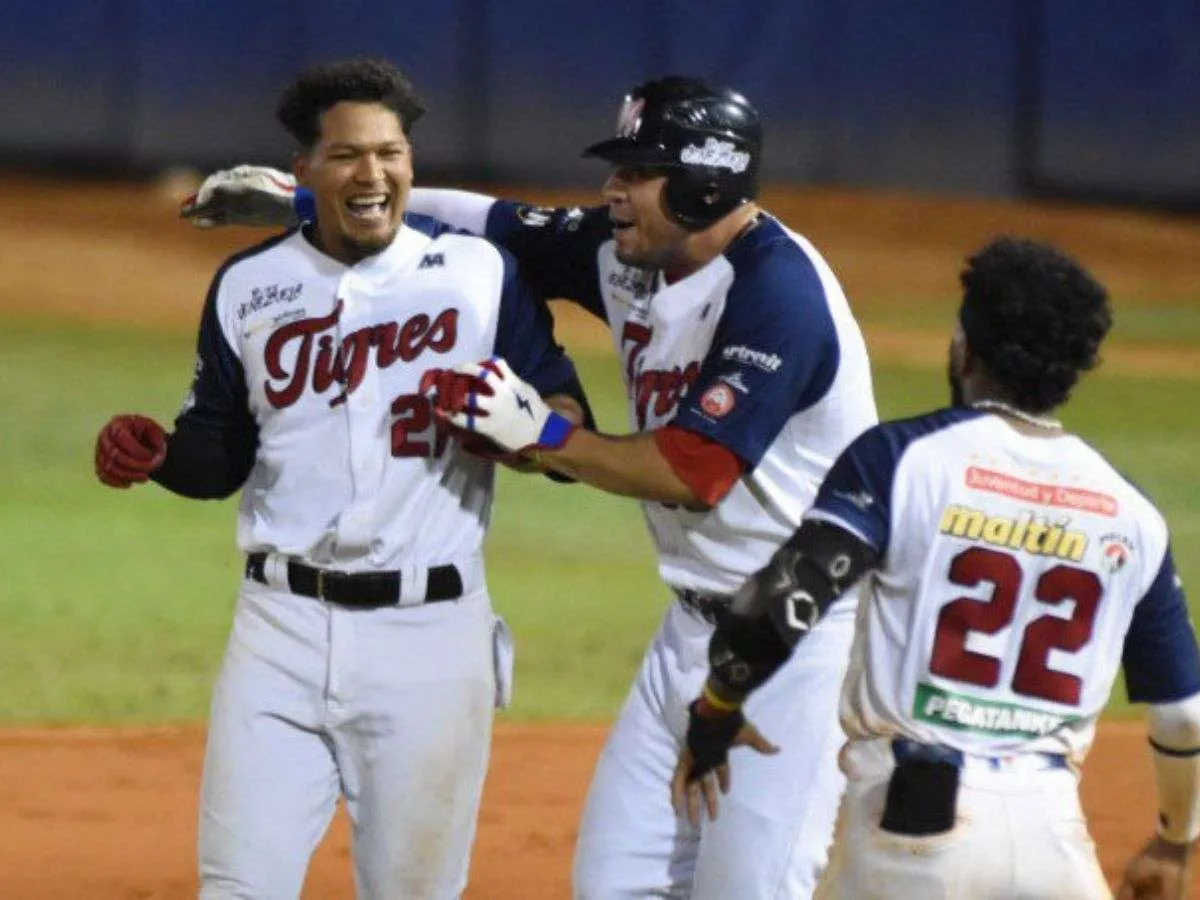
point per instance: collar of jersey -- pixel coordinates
(408, 245)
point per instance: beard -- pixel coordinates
(956, 388)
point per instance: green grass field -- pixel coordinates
(115, 605)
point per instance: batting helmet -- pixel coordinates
(708, 139)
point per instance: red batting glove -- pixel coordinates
(128, 449)
(450, 392)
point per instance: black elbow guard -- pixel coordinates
(807, 574)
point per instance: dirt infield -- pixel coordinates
(110, 814)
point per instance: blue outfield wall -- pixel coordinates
(971, 96)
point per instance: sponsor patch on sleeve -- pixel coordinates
(718, 400)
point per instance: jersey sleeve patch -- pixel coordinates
(775, 353)
(556, 248)
(1161, 658)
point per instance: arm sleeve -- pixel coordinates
(1175, 740)
(211, 452)
(557, 248)
(775, 353)
(459, 209)
(1161, 659)
(525, 338)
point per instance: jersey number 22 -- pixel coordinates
(1033, 676)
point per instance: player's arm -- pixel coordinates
(212, 449)
(778, 607)
(775, 354)
(770, 616)
(1162, 668)
(844, 536)
(556, 247)
(667, 465)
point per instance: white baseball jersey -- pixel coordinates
(1017, 573)
(757, 351)
(320, 362)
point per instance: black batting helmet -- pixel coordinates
(709, 139)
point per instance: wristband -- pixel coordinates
(555, 432)
(724, 706)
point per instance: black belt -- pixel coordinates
(706, 606)
(364, 590)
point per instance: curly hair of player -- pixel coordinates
(1035, 317)
(359, 80)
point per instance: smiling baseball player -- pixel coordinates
(364, 658)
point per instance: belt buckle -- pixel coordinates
(320, 584)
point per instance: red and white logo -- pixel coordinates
(1115, 551)
(718, 400)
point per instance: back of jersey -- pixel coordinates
(1012, 567)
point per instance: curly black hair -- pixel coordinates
(1035, 317)
(362, 80)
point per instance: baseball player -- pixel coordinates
(746, 375)
(364, 658)
(1009, 570)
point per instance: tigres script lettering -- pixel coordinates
(662, 387)
(345, 364)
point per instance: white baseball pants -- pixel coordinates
(776, 824)
(390, 707)
(1019, 832)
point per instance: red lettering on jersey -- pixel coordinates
(665, 387)
(1043, 494)
(346, 364)
(634, 340)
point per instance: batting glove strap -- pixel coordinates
(557, 430)
(709, 739)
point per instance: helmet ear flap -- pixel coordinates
(697, 198)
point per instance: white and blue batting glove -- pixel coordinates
(247, 195)
(507, 410)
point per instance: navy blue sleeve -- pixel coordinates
(212, 449)
(219, 398)
(775, 353)
(1161, 659)
(857, 490)
(556, 248)
(525, 338)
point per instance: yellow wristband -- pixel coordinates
(711, 698)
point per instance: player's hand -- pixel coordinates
(450, 391)
(128, 449)
(243, 195)
(500, 406)
(1160, 871)
(702, 773)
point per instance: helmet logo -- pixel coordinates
(629, 121)
(716, 154)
